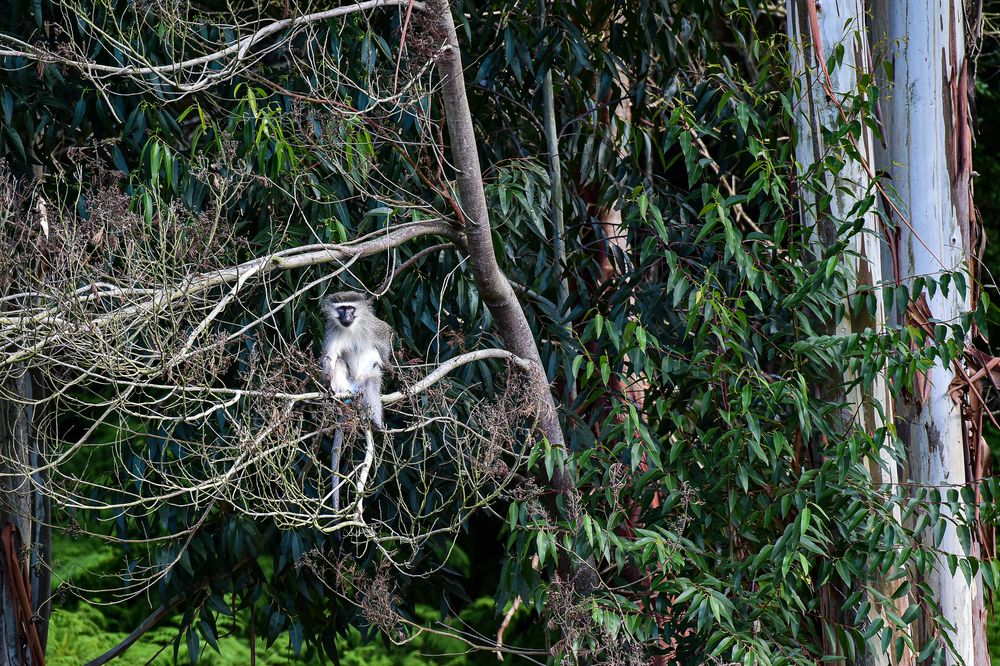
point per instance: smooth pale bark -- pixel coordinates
(816, 31)
(928, 155)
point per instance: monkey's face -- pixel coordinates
(346, 308)
(345, 314)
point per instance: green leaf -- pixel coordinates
(192, 645)
(541, 544)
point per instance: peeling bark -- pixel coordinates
(23, 539)
(928, 155)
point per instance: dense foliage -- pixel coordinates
(720, 491)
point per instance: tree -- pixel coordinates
(205, 179)
(24, 598)
(937, 233)
(832, 95)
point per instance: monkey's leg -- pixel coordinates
(372, 398)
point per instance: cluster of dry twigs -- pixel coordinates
(157, 372)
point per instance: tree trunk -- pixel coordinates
(928, 156)
(491, 281)
(815, 32)
(24, 535)
(493, 285)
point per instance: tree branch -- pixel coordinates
(151, 621)
(20, 48)
(451, 364)
(157, 299)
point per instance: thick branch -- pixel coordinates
(149, 623)
(300, 257)
(439, 372)
(230, 396)
(163, 611)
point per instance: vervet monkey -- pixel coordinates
(356, 348)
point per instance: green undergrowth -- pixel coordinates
(79, 631)
(79, 634)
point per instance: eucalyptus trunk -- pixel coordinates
(24, 535)
(816, 32)
(928, 158)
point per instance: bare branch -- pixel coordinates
(450, 365)
(11, 46)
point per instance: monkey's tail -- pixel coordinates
(372, 400)
(338, 443)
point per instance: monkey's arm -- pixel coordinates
(325, 370)
(335, 374)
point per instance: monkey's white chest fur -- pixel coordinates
(352, 365)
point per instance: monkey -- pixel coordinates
(356, 349)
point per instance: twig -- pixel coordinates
(409, 262)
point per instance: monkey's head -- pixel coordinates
(345, 307)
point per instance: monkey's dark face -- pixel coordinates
(345, 314)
